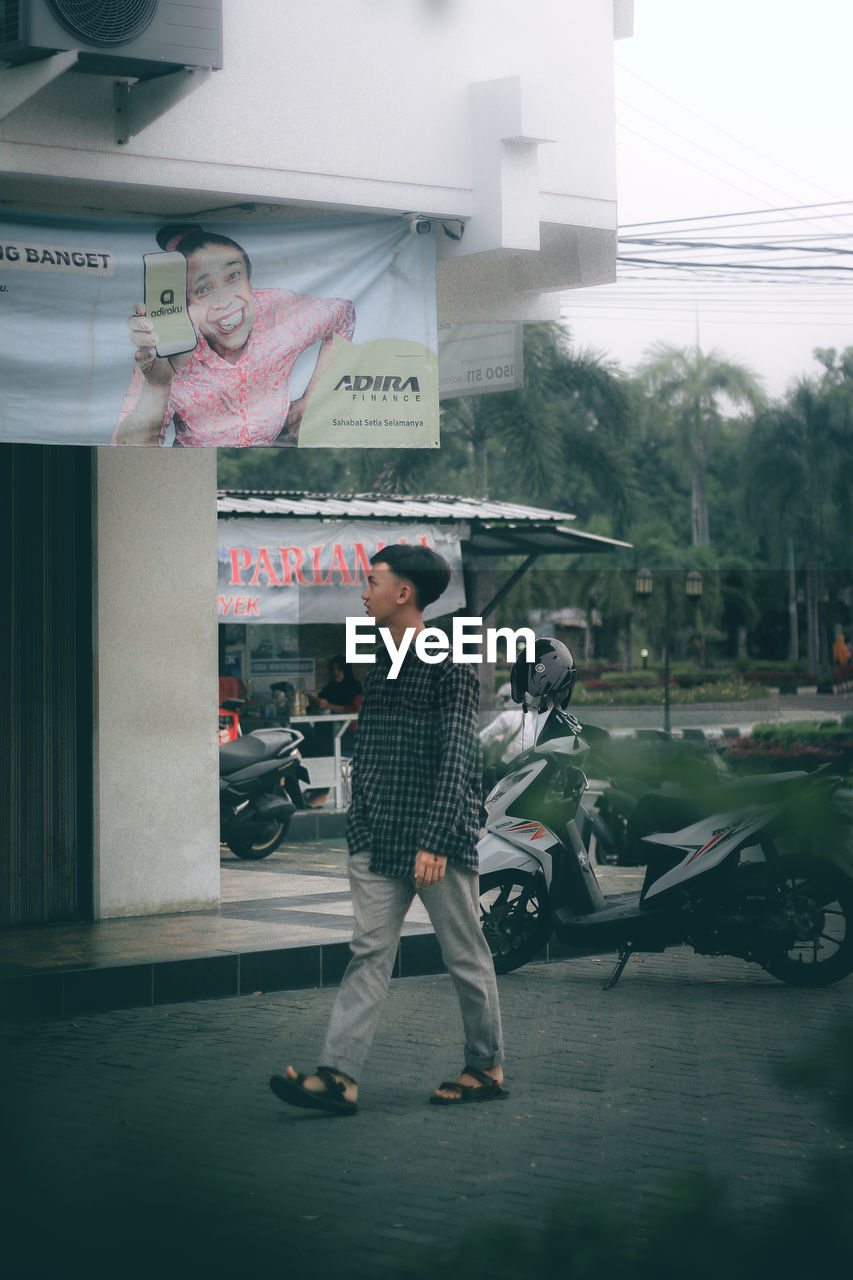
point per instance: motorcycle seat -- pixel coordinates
(242, 752)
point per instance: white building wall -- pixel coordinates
(370, 105)
(497, 115)
(156, 761)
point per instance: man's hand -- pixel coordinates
(157, 370)
(429, 868)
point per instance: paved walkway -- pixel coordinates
(145, 1142)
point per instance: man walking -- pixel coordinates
(411, 828)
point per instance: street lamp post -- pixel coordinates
(644, 585)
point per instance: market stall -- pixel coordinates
(292, 567)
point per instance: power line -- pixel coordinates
(752, 246)
(743, 213)
(723, 132)
(732, 266)
(698, 146)
(734, 185)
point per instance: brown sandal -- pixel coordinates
(487, 1089)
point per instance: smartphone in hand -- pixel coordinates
(166, 302)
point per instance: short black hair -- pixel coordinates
(424, 568)
(187, 237)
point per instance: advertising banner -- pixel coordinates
(312, 333)
(477, 358)
(300, 571)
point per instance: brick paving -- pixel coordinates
(145, 1141)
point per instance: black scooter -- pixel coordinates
(260, 788)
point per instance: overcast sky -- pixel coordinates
(732, 108)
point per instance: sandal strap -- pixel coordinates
(333, 1085)
(459, 1088)
(479, 1075)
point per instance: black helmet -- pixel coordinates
(551, 675)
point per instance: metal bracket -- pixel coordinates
(19, 84)
(138, 104)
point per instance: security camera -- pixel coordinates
(420, 226)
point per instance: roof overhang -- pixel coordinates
(487, 528)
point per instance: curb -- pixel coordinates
(84, 990)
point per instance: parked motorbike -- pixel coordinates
(261, 777)
(760, 869)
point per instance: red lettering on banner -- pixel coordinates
(241, 558)
(239, 605)
(361, 564)
(339, 565)
(296, 553)
(262, 565)
(258, 569)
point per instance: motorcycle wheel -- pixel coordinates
(514, 917)
(818, 899)
(264, 841)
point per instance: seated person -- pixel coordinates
(343, 690)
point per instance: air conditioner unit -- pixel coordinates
(133, 38)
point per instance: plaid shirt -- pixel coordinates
(416, 765)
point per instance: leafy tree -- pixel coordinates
(799, 463)
(692, 388)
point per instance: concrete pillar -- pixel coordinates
(156, 761)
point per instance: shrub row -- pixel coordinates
(800, 745)
(684, 680)
(784, 680)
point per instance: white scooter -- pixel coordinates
(763, 870)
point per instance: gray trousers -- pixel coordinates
(379, 906)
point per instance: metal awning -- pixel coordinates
(489, 528)
(486, 528)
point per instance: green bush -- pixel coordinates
(725, 690)
(801, 744)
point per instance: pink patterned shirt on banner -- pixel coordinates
(216, 403)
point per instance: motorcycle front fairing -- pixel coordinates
(513, 842)
(704, 846)
(531, 822)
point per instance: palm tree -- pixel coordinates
(799, 463)
(693, 387)
(557, 442)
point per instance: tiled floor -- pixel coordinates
(297, 897)
(283, 923)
